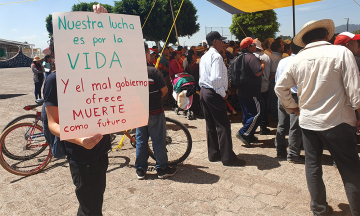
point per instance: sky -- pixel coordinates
(26, 21)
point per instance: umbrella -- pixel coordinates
(237, 7)
(47, 51)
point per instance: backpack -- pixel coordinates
(237, 74)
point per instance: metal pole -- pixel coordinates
(172, 11)
(293, 7)
(347, 24)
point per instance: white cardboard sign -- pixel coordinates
(101, 77)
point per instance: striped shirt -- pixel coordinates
(213, 72)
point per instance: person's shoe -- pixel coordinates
(264, 131)
(140, 174)
(236, 163)
(254, 139)
(234, 112)
(282, 155)
(297, 160)
(244, 140)
(227, 112)
(167, 172)
(215, 160)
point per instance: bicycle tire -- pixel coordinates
(174, 157)
(24, 118)
(40, 157)
(20, 118)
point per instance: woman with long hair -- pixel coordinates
(38, 76)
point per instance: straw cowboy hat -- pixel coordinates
(327, 24)
(37, 58)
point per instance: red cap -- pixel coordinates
(152, 51)
(345, 37)
(246, 42)
(178, 52)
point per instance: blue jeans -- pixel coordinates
(156, 129)
(47, 74)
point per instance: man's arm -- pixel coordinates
(218, 70)
(52, 113)
(263, 67)
(282, 90)
(351, 79)
(164, 90)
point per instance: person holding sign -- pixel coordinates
(87, 156)
(156, 128)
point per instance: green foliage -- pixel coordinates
(260, 25)
(89, 7)
(160, 20)
(285, 37)
(49, 26)
(356, 32)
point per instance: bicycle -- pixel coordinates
(29, 152)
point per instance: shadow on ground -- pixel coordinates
(187, 173)
(344, 210)
(7, 96)
(113, 160)
(262, 162)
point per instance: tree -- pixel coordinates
(89, 7)
(259, 25)
(76, 7)
(160, 20)
(49, 25)
(356, 32)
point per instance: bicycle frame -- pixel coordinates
(30, 135)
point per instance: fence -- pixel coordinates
(224, 31)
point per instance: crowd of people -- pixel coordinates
(310, 86)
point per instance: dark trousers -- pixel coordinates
(38, 86)
(90, 182)
(253, 110)
(288, 122)
(342, 145)
(265, 119)
(273, 100)
(218, 129)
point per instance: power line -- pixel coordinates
(356, 2)
(17, 2)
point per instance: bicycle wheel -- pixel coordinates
(29, 145)
(23, 118)
(178, 142)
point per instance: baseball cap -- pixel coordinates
(258, 44)
(247, 42)
(345, 37)
(214, 35)
(152, 51)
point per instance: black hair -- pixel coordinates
(316, 34)
(154, 47)
(179, 48)
(210, 43)
(172, 56)
(46, 57)
(295, 48)
(189, 56)
(278, 38)
(286, 48)
(275, 46)
(232, 43)
(146, 47)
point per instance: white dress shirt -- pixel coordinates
(213, 72)
(280, 69)
(328, 86)
(270, 68)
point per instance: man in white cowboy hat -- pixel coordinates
(270, 69)
(329, 91)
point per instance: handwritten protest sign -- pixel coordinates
(101, 77)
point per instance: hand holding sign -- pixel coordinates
(101, 78)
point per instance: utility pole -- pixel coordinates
(172, 11)
(347, 24)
